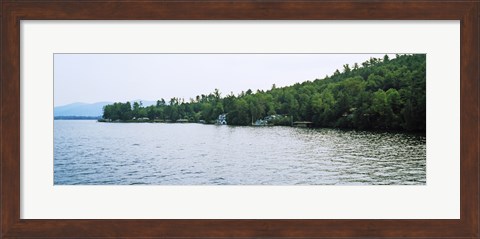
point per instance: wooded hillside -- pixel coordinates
(387, 94)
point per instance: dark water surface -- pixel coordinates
(88, 152)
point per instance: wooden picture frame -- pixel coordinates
(12, 12)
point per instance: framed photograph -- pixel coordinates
(240, 119)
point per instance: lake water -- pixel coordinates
(89, 152)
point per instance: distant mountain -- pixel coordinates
(86, 109)
(80, 109)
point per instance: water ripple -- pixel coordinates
(91, 153)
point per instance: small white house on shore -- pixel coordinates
(222, 119)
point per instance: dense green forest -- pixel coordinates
(385, 94)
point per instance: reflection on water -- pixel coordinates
(88, 152)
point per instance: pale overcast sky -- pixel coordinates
(90, 78)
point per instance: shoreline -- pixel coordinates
(418, 133)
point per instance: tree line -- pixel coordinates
(381, 93)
